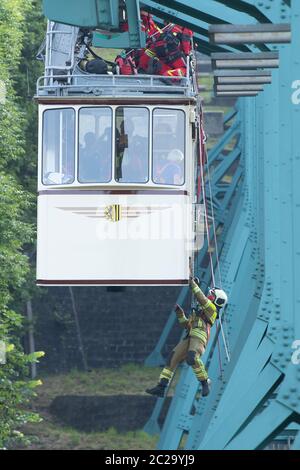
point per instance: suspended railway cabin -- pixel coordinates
(116, 177)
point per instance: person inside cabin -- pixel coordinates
(131, 153)
(58, 178)
(170, 170)
(192, 346)
(104, 147)
(90, 160)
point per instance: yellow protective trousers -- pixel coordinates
(190, 349)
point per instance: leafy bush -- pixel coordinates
(16, 389)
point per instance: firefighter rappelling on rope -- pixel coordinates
(193, 345)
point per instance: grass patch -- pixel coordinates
(52, 436)
(127, 379)
(131, 379)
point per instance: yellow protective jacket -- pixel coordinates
(198, 325)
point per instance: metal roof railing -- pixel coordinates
(82, 84)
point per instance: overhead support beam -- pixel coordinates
(239, 88)
(201, 41)
(188, 13)
(237, 94)
(246, 60)
(250, 34)
(230, 77)
(249, 6)
(195, 23)
(212, 12)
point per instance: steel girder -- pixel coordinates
(255, 397)
(195, 23)
(225, 210)
(199, 16)
(265, 407)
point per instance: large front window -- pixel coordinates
(168, 146)
(132, 145)
(124, 159)
(95, 145)
(58, 146)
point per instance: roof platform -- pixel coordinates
(84, 85)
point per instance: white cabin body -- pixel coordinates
(116, 190)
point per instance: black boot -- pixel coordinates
(205, 387)
(159, 389)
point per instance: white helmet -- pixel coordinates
(220, 297)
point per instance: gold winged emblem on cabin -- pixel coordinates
(114, 212)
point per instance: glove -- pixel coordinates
(195, 280)
(179, 311)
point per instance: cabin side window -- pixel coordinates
(132, 145)
(168, 146)
(58, 146)
(95, 145)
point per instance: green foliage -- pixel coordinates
(25, 83)
(16, 231)
(14, 390)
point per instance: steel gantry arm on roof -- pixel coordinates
(99, 14)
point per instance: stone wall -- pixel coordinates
(99, 413)
(117, 326)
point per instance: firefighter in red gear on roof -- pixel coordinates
(165, 53)
(126, 63)
(148, 24)
(167, 48)
(171, 47)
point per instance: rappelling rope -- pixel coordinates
(214, 224)
(205, 206)
(201, 164)
(201, 188)
(224, 334)
(201, 161)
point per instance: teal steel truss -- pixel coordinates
(255, 397)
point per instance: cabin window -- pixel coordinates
(132, 145)
(95, 145)
(58, 146)
(168, 146)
